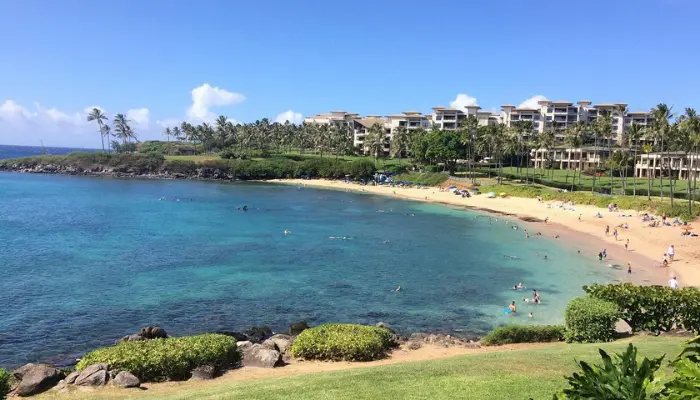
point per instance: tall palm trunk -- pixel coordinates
(649, 180)
(634, 173)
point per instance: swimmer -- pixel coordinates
(556, 237)
(525, 299)
(385, 242)
(287, 232)
(515, 287)
(530, 315)
(513, 309)
(545, 256)
(520, 285)
(398, 288)
(527, 235)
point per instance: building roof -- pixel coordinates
(412, 113)
(368, 122)
(438, 108)
(638, 112)
(584, 102)
(568, 103)
(507, 106)
(445, 109)
(525, 109)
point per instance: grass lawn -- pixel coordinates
(197, 158)
(381, 162)
(522, 374)
(560, 177)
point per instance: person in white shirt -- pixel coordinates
(671, 252)
(673, 283)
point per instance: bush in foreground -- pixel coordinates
(590, 320)
(342, 342)
(4, 383)
(166, 359)
(652, 308)
(524, 334)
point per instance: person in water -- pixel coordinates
(513, 309)
(530, 315)
(398, 288)
(520, 285)
(287, 232)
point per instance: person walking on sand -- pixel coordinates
(615, 234)
(605, 254)
(629, 268)
(607, 230)
(671, 253)
(627, 243)
(600, 257)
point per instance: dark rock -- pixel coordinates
(112, 374)
(240, 337)
(126, 379)
(384, 325)
(153, 332)
(258, 334)
(258, 356)
(279, 342)
(93, 375)
(203, 373)
(37, 379)
(132, 338)
(413, 345)
(63, 360)
(298, 327)
(70, 379)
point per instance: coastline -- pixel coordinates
(646, 245)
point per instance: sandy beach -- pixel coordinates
(646, 245)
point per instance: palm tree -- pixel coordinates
(602, 127)
(122, 130)
(105, 131)
(634, 134)
(97, 115)
(647, 149)
(688, 140)
(575, 137)
(167, 132)
(662, 115)
(524, 128)
(468, 128)
(375, 139)
(222, 130)
(399, 141)
(546, 142)
(189, 133)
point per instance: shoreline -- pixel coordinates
(646, 249)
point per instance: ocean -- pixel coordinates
(87, 260)
(27, 151)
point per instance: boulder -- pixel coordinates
(203, 373)
(258, 356)
(279, 342)
(18, 373)
(132, 338)
(384, 325)
(153, 332)
(37, 379)
(258, 334)
(70, 379)
(298, 327)
(412, 345)
(93, 375)
(126, 379)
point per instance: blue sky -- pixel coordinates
(379, 57)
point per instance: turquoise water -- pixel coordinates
(87, 260)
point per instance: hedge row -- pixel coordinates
(4, 383)
(151, 163)
(166, 359)
(342, 342)
(509, 334)
(652, 308)
(590, 320)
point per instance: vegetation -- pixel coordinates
(509, 334)
(520, 374)
(166, 359)
(4, 383)
(622, 377)
(652, 308)
(426, 178)
(348, 342)
(686, 382)
(590, 320)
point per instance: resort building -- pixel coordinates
(682, 165)
(561, 157)
(448, 119)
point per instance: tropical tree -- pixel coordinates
(222, 130)
(399, 142)
(647, 149)
(546, 142)
(575, 137)
(167, 132)
(105, 132)
(97, 115)
(634, 134)
(122, 130)
(468, 131)
(375, 140)
(689, 141)
(662, 127)
(602, 127)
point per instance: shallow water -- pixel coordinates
(88, 260)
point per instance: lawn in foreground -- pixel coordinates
(522, 374)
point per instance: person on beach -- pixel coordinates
(545, 220)
(665, 261)
(627, 243)
(671, 253)
(605, 254)
(607, 230)
(615, 234)
(513, 309)
(600, 257)
(579, 217)
(673, 283)
(629, 268)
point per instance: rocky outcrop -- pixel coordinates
(70, 379)
(146, 333)
(37, 378)
(279, 342)
(255, 355)
(298, 327)
(126, 379)
(93, 375)
(203, 373)
(240, 337)
(258, 334)
(441, 340)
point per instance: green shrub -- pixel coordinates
(427, 178)
(652, 308)
(338, 342)
(623, 377)
(166, 359)
(4, 383)
(685, 384)
(590, 320)
(523, 334)
(361, 169)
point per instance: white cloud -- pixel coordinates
(463, 100)
(532, 102)
(168, 123)
(205, 97)
(291, 116)
(139, 116)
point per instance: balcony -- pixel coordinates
(449, 118)
(560, 110)
(449, 126)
